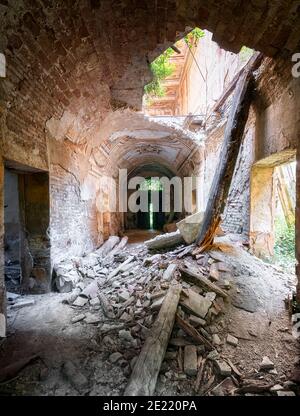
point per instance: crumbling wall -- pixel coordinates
(262, 235)
(73, 69)
(79, 219)
(236, 217)
(74, 228)
(211, 71)
(271, 129)
(237, 211)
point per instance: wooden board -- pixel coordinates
(228, 155)
(192, 276)
(192, 332)
(145, 372)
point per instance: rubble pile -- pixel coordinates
(122, 290)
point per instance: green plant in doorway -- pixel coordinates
(161, 68)
(284, 249)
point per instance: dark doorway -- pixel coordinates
(154, 217)
(159, 217)
(26, 222)
(143, 218)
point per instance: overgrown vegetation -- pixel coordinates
(284, 249)
(192, 38)
(151, 184)
(162, 68)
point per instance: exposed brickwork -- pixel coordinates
(89, 55)
(74, 229)
(237, 213)
(69, 64)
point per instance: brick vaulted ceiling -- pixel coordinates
(130, 139)
(70, 63)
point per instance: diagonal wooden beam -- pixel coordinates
(229, 152)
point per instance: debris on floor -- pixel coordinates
(159, 322)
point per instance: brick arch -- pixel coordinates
(75, 62)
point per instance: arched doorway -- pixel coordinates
(156, 195)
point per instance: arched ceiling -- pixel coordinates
(129, 140)
(70, 63)
(151, 170)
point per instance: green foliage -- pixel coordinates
(284, 249)
(161, 69)
(192, 38)
(151, 184)
(245, 53)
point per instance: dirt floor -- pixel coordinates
(96, 356)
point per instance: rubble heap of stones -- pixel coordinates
(122, 292)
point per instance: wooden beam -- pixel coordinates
(197, 279)
(107, 246)
(192, 332)
(228, 155)
(145, 372)
(164, 241)
(253, 63)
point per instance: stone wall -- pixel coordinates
(74, 229)
(237, 212)
(270, 139)
(210, 72)
(70, 64)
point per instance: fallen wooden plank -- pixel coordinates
(180, 358)
(234, 368)
(192, 276)
(119, 247)
(164, 241)
(186, 251)
(107, 246)
(179, 342)
(145, 372)
(192, 332)
(228, 155)
(254, 387)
